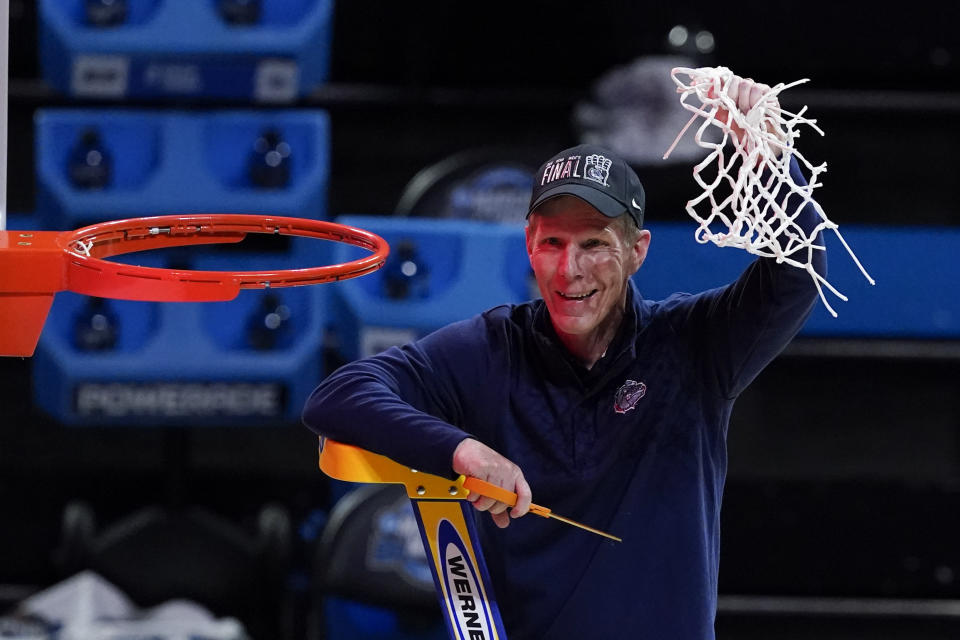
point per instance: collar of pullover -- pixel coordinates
(559, 364)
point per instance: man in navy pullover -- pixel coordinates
(614, 409)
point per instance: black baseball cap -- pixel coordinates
(595, 175)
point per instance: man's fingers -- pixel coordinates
(483, 503)
(497, 509)
(473, 458)
(756, 94)
(762, 90)
(749, 93)
(733, 89)
(739, 91)
(524, 498)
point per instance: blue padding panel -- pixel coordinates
(176, 162)
(184, 364)
(176, 48)
(916, 270)
(475, 266)
(917, 273)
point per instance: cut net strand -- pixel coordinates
(750, 196)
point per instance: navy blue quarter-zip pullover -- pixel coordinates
(636, 445)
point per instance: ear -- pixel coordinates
(529, 233)
(638, 251)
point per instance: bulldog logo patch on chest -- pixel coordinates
(628, 395)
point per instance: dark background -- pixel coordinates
(843, 476)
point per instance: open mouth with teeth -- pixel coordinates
(582, 296)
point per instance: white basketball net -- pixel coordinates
(748, 197)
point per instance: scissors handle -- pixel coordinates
(476, 485)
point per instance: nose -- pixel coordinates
(569, 266)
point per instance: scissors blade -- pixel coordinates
(584, 527)
(508, 497)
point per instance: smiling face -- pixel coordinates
(582, 261)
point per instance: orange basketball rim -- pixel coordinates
(35, 265)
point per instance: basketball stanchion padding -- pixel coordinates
(447, 529)
(35, 265)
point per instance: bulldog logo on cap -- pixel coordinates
(597, 168)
